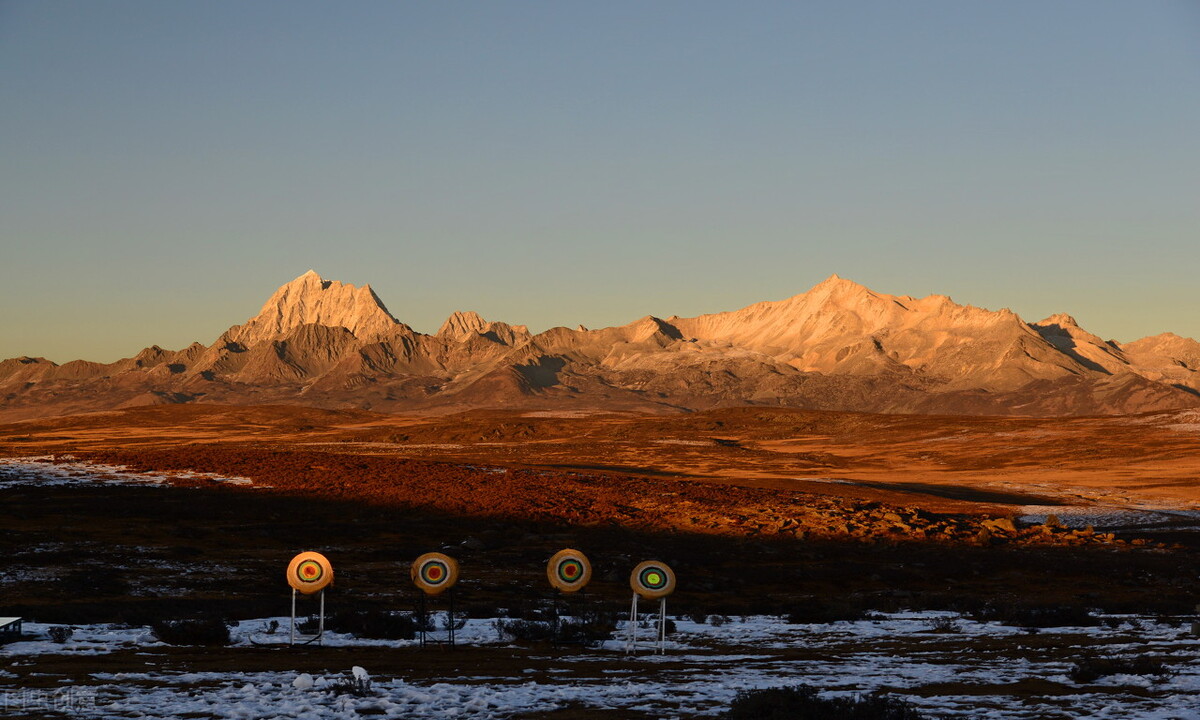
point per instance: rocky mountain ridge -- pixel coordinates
(838, 346)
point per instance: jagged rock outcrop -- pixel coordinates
(463, 326)
(839, 346)
(311, 300)
(1064, 333)
(1167, 358)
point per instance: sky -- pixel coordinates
(164, 166)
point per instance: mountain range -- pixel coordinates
(838, 346)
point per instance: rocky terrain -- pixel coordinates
(742, 472)
(839, 346)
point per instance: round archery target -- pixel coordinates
(569, 570)
(434, 573)
(309, 572)
(652, 579)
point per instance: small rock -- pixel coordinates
(473, 543)
(1000, 525)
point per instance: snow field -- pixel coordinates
(978, 670)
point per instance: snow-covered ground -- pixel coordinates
(64, 470)
(947, 665)
(1108, 517)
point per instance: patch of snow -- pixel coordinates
(971, 668)
(839, 481)
(1110, 517)
(48, 470)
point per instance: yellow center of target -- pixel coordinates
(653, 579)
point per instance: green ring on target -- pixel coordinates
(653, 578)
(309, 571)
(434, 572)
(570, 570)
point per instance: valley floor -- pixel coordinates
(850, 552)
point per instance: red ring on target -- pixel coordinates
(309, 573)
(569, 570)
(434, 573)
(652, 579)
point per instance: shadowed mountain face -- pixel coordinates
(839, 346)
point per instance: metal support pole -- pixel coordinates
(662, 626)
(292, 639)
(563, 608)
(556, 615)
(631, 630)
(321, 624)
(421, 618)
(453, 620)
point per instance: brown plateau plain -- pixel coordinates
(927, 504)
(761, 511)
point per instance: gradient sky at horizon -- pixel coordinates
(165, 166)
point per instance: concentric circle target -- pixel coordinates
(652, 579)
(569, 570)
(434, 573)
(309, 572)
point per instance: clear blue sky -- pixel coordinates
(164, 166)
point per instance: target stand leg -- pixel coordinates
(564, 607)
(319, 637)
(662, 626)
(556, 620)
(631, 630)
(452, 620)
(421, 618)
(321, 623)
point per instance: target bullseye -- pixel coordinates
(652, 579)
(434, 573)
(569, 570)
(309, 573)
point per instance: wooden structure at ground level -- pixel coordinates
(10, 628)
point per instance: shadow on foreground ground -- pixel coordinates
(110, 553)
